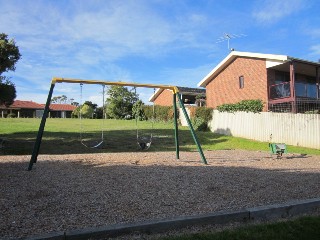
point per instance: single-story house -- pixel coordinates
(30, 109)
(283, 83)
(24, 109)
(60, 110)
(164, 97)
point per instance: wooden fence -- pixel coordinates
(293, 129)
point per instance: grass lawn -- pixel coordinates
(62, 136)
(305, 228)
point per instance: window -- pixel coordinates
(281, 77)
(241, 82)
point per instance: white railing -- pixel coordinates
(293, 129)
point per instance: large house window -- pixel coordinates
(306, 86)
(241, 82)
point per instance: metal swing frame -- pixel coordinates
(175, 93)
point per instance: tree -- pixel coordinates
(75, 103)
(201, 100)
(138, 111)
(89, 103)
(9, 56)
(63, 99)
(120, 102)
(76, 112)
(7, 93)
(99, 112)
(86, 111)
(60, 99)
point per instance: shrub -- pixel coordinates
(204, 113)
(200, 117)
(199, 124)
(254, 106)
(11, 115)
(161, 113)
(138, 111)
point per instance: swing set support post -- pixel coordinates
(37, 144)
(196, 141)
(176, 136)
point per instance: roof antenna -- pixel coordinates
(227, 37)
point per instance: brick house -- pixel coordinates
(25, 109)
(163, 97)
(283, 83)
(30, 109)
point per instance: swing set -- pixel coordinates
(142, 142)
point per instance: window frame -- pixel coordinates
(241, 82)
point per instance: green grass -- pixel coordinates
(62, 136)
(305, 228)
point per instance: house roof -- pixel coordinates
(273, 58)
(183, 90)
(18, 104)
(61, 107)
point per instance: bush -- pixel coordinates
(161, 113)
(11, 115)
(199, 124)
(200, 117)
(254, 106)
(204, 113)
(138, 111)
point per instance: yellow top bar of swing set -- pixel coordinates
(174, 89)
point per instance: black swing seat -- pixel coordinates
(144, 142)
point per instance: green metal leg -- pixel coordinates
(176, 135)
(192, 130)
(37, 144)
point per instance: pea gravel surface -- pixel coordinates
(68, 192)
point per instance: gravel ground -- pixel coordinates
(66, 192)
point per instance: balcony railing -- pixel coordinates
(281, 90)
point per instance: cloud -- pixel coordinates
(271, 11)
(187, 77)
(315, 50)
(90, 39)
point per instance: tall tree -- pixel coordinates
(92, 105)
(120, 102)
(9, 56)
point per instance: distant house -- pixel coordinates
(23, 109)
(164, 97)
(283, 83)
(30, 109)
(61, 110)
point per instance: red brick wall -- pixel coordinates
(164, 99)
(224, 88)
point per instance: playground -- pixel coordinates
(77, 191)
(70, 186)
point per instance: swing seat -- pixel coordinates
(96, 145)
(144, 146)
(144, 143)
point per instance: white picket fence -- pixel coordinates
(293, 129)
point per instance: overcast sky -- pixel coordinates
(147, 41)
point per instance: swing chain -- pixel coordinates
(80, 117)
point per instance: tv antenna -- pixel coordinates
(227, 37)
